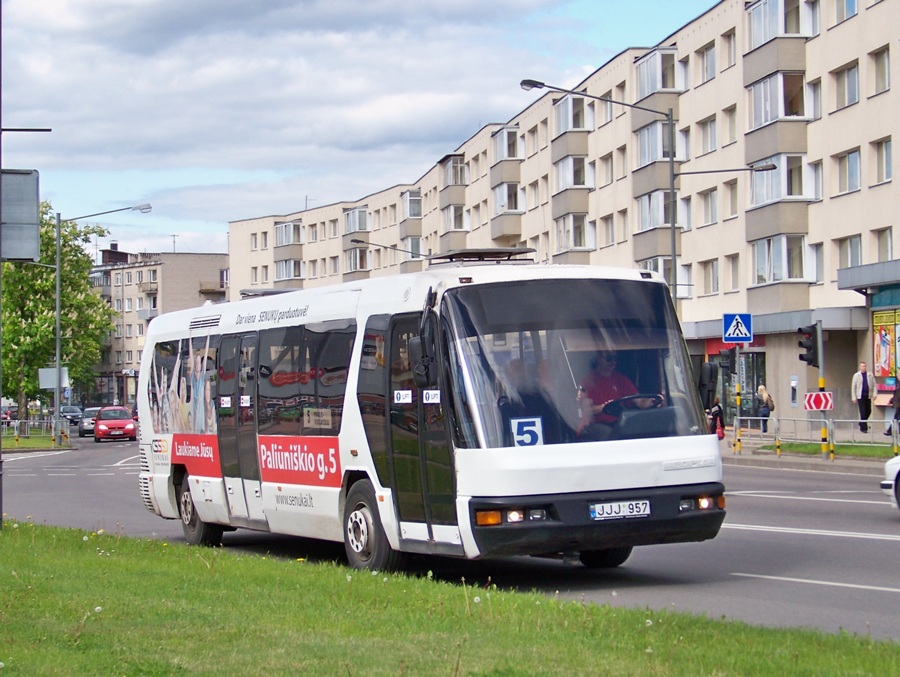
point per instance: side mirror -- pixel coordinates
(709, 375)
(422, 362)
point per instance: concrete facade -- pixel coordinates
(801, 84)
(139, 287)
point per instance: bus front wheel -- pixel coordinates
(196, 532)
(364, 539)
(604, 559)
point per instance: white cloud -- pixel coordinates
(216, 110)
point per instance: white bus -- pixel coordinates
(443, 412)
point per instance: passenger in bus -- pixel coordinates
(603, 385)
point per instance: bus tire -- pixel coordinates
(364, 539)
(605, 559)
(196, 532)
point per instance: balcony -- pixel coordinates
(148, 287)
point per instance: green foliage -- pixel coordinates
(29, 310)
(78, 603)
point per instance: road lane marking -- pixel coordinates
(808, 581)
(787, 497)
(812, 532)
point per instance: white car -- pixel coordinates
(892, 480)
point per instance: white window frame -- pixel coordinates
(884, 160)
(412, 204)
(708, 139)
(573, 113)
(454, 218)
(653, 210)
(290, 269)
(846, 86)
(507, 144)
(709, 199)
(355, 219)
(706, 62)
(356, 260)
(848, 172)
(506, 199)
(773, 259)
(653, 143)
(710, 271)
(574, 171)
(286, 233)
(575, 232)
(779, 184)
(849, 251)
(844, 9)
(881, 70)
(657, 71)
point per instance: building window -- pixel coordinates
(730, 124)
(884, 241)
(129, 330)
(846, 86)
(654, 210)
(412, 247)
(118, 305)
(706, 62)
(254, 242)
(656, 72)
(254, 275)
(605, 108)
(777, 96)
(787, 180)
(129, 356)
(287, 233)
(151, 275)
(335, 265)
(710, 201)
(653, 143)
(139, 276)
(573, 172)
(731, 198)
(264, 239)
(814, 99)
(608, 230)
(290, 269)
(506, 144)
(881, 63)
(622, 160)
(139, 303)
(684, 213)
(128, 305)
(355, 220)
(454, 218)
(118, 357)
(312, 269)
(572, 112)
(333, 228)
(265, 274)
(356, 260)
(729, 51)
(117, 279)
(574, 232)
(883, 161)
(660, 264)
(128, 278)
(707, 135)
(734, 272)
(506, 198)
(710, 270)
(844, 9)
(606, 170)
(848, 172)
(850, 251)
(778, 258)
(412, 204)
(140, 328)
(768, 19)
(456, 172)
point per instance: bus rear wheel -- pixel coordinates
(364, 539)
(605, 559)
(196, 532)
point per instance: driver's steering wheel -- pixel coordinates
(617, 406)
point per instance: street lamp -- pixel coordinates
(528, 85)
(143, 209)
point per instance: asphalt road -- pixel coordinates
(811, 544)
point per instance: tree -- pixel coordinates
(29, 311)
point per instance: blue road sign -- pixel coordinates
(737, 328)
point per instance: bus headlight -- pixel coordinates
(702, 503)
(490, 518)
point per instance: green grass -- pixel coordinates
(30, 442)
(884, 451)
(80, 603)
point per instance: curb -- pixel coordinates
(768, 459)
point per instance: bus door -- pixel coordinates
(237, 426)
(420, 452)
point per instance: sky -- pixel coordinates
(221, 110)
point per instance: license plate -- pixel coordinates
(115, 432)
(617, 510)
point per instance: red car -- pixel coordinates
(113, 423)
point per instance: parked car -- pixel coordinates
(71, 413)
(114, 423)
(891, 483)
(9, 413)
(86, 422)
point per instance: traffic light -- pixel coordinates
(729, 356)
(809, 342)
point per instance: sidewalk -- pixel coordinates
(752, 455)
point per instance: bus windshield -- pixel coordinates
(566, 361)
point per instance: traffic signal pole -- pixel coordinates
(737, 398)
(820, 353)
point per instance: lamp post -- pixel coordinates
(528, 85)
(143, 209)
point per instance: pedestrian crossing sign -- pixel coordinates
(737, 328)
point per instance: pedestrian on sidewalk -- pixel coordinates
(766, 406)
(862, 389)
(895, 403)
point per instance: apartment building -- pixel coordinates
(138, 287)
(799, 88)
